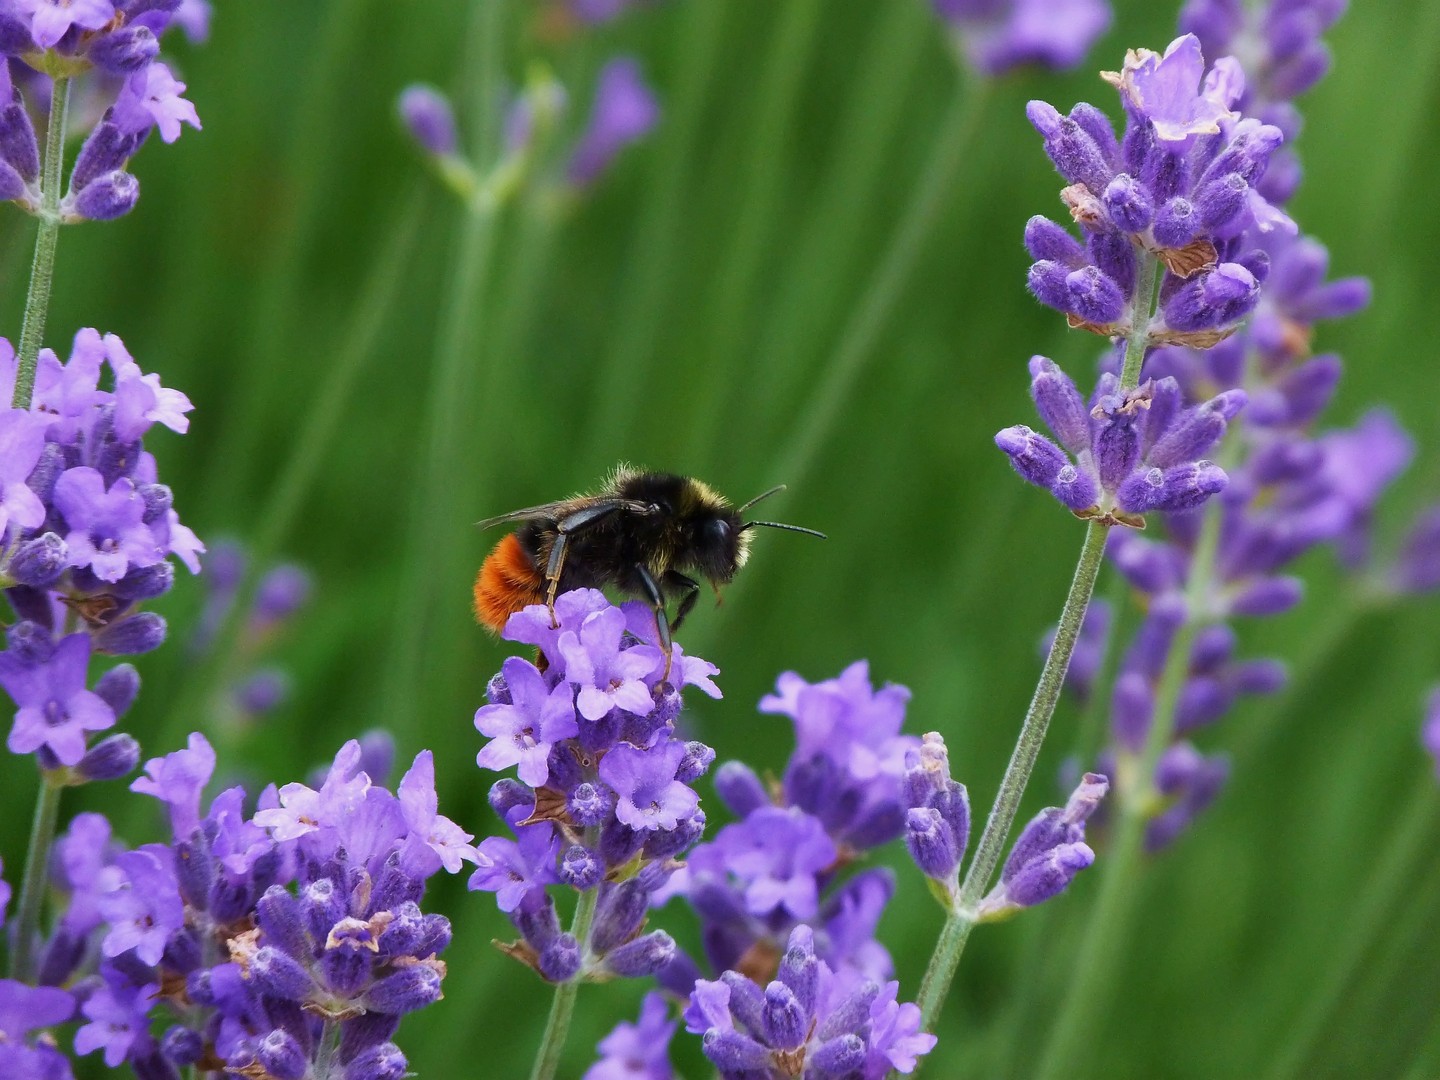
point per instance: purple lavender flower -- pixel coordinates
(778, 855)
(1050, 851)
(1000, 36)
(809, 1019)
(52, 19)
(429, 118)
(1417, 567)
(1179, 185)
(938, 819)
(639, 1051)
(177, 780)
(118, 1011)
(604, 783)
(525, 728)
(625, 111)
(512, 869)
(26, 1009)
(434, 840)
(1134, 451)
(56, 711)
(849, 760)
(648, 794)
(22, 437)
(1189, 782)
(151, 98)
(141, 903)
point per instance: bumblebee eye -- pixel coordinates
(717, 532)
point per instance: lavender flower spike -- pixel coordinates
(1051, 850)
(1134, 451)
(810, 1021)
(937, 822)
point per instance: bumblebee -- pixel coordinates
(643, 533)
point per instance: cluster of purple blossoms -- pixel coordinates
(88, 529)
(1045, 858)
(128, 93)
(804, 986)
(1178, 186)
(269, 942)
(1286, 488)
(624, 112)
(1135, 451)
(809, 1020)
(280, 593)
(1285, 57)
(997, 36)
(604, 799)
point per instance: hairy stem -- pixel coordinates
(562, 1008)
(42, 270)
(1012, 786)
(26, 928)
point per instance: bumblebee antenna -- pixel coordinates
(782, 525)
(763, 495)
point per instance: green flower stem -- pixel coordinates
(26, 928)
(327, 1054)
(1369, 920)
(42, 270)
(1147, 282)
(961, 920)
(933, 192)
(562, 1008)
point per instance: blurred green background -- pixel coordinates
(698, 311)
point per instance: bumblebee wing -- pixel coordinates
(559, 511)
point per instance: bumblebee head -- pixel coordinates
(721, 547)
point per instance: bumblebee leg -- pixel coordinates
(657, 601)
(556, 563)
(689, 589)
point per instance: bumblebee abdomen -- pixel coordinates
(508, 582)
